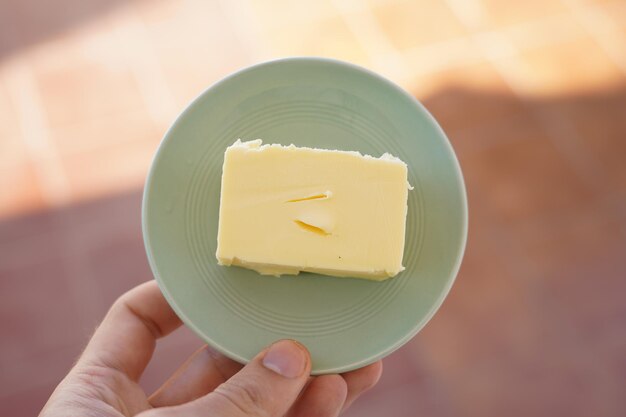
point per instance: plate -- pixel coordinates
(345, 323)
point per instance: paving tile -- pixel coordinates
(40, 319)
(18, 180)
(468, 96)
(171, 352)
(92, 223)
(12, 148)
(17, 229)
(406, 388)
(595, 124)
(606, 2)
(27, 23)
(470, 140)
(616, 10)
(534, 323)
(166, 10)
(525, 177)
(115, 168)
(500, 333)
(558, 69)
(534, 386)
(497, 14)
(485, 316)
(28, 402)
(47, 20)
(30, 239)
(105, 131)
(118, 265)
(195, 45)
(9, 29)
(408, 372)
(400, 368)
(44, 370)
(580, 255)
(20, 190)
(434, 65)
(551, 29)
(104, 242)
(406, 400)
(329, 37)
(83, 76)
(409, 24)
(277, 12)
(521, 311)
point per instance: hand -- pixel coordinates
(104, 381)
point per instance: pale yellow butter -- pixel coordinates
(286, 209)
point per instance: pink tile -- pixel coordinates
(111, 169)
(93, 222)
(15, 230)
(400, 368)
(525, 175)
(171, 352)
(103, 131)
(330, 36)
(33, 316)
(468, 96)
(43, 324)
(20, 190)
(556, 69)
(408, 24)
(534, 386)
(409, 386)
(580, 256)
(28, 402)
(616, 10)
(488, 314)
(499, 14)
(83, 77)
(407, 400)
(594, 125)
(117, 266)
(212, 47)
(45, 20)
(12, 148)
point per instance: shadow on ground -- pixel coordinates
(534, 324)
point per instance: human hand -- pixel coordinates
(104, 381)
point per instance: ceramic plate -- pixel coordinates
(345, 323)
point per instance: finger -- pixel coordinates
(204, 371)
(361, 380)
(323, 397)
(126, 338)
(267, 386)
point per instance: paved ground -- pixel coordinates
(532, 95)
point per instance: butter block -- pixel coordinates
(287, 209)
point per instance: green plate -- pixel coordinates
(345, 323)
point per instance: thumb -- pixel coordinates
(268, 386)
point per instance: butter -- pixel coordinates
(285, 209)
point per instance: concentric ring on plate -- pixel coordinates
(345, 323)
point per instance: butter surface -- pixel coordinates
(285, 209)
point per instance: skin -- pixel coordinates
(104, 381)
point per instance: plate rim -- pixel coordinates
(459, 178)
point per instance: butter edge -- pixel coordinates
(256, 145)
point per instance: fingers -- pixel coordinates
(204, 371)
(361, 380)
(323, 397)
(267, 386)
(126, 337)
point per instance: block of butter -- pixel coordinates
(286, 209)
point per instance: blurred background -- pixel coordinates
(532, 95)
